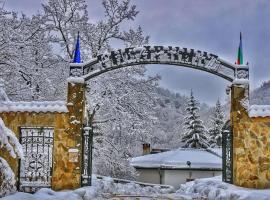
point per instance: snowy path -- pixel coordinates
(201, 189)
(152, 197)
(49, 195)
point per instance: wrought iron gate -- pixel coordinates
(87, 156)
(36, 166)
(227, 153)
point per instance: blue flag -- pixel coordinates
(77, 53)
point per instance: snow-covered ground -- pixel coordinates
(201, 189)
(101, 189)
(215, 189)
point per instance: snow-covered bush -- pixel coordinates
(9, 142)
(106, 186)
(101, 189)
(215, 189)
(7, 178)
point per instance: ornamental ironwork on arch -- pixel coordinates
(168, 55)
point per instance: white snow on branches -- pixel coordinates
(9, 141)
(195, 134)
(217, 123)
(8, 185)
(3, 94)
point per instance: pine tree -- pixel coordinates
(195, 135)
(217, 122)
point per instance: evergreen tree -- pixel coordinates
(195, 135)
(217, 122)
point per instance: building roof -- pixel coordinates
(259, 111)
(177, 159)
(216, 151)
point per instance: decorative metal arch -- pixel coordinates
(169, 55)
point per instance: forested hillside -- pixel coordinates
(261, 95)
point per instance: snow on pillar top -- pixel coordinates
(75, 80)
(240, 81)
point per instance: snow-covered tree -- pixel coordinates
(28, 65)
(120, 101)
(125, 104)
(217, 122)
(64, 19)
(35, 68)
(196, 134)
(9, 142)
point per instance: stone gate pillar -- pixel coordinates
(239, 116)
(68, 145)
(251, 141)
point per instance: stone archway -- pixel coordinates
(250, 124)
(177, 56)
(245, 128)
(183, 57)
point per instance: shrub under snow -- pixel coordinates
(101, 189)
(9, 142)
(215, 189)
(7, 179)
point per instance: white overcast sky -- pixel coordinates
(208, 25)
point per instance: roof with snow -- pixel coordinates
(216, 151)
(177, 159)
(34, 106)
(259, 111)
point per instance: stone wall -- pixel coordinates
(251, 142)
(251, 139)
(15, 120)
(67, 144)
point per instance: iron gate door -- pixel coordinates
(36, 166)
(227, 153)
(87, 156)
